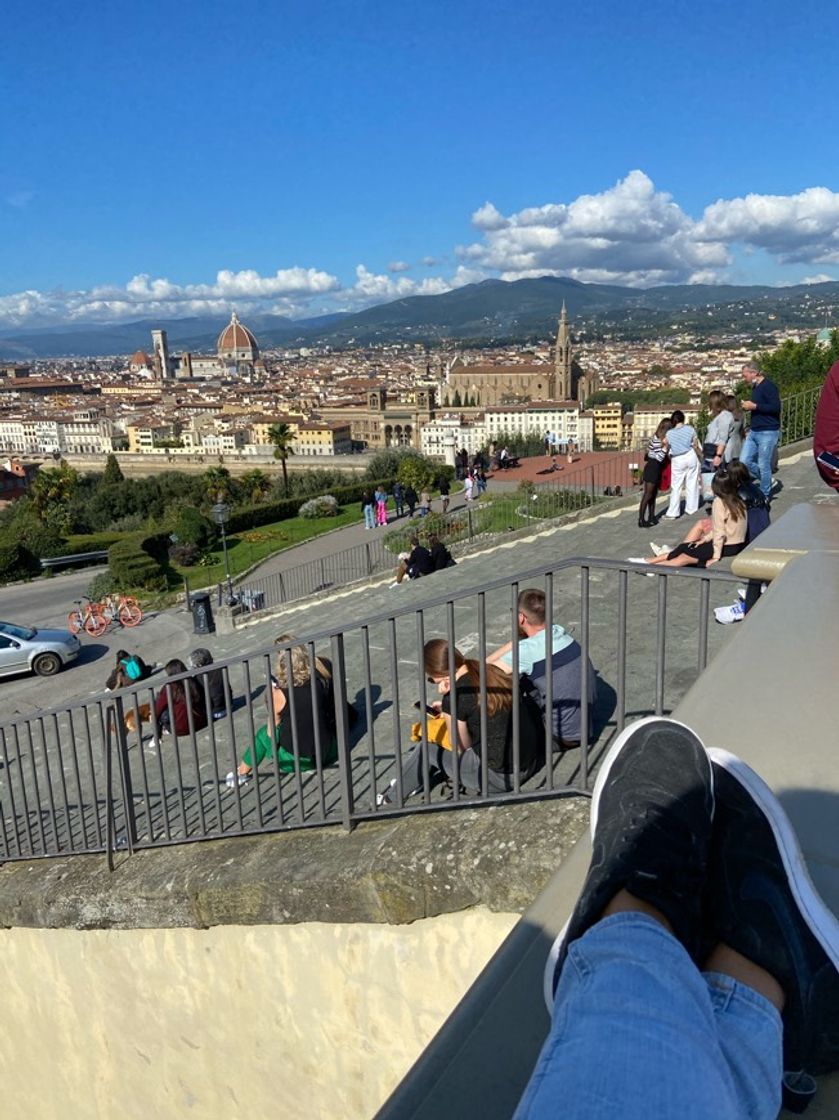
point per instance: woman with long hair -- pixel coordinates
(719, 431)
(726, 537)
(651, 478)
(180, 700)
(301, 684)
(459, 685)
(738, 431)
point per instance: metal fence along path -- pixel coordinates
(94, 777)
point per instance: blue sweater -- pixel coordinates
(766, 417)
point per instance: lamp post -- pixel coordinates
(221, 515)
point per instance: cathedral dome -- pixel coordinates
(236, 341)
(140, 360)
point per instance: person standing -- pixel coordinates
(381, 505)
(410, 500)
(368, 508)
(651, 478)
(424, 503)
(826, 431)
(399, 498)
(681, 442)
(445, 491)
(765, 429)
(468, 484)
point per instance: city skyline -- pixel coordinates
(176, 162)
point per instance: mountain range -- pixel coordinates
(492, 310)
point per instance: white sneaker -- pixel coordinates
(637, 560)
(660, 549)
(382, 798)
(726, 615)
(232, 780)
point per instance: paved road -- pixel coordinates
(45, 602)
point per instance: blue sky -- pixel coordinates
(169, 159)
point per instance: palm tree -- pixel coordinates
(52, 490)
(282, 438)
(255, 484)
(217, 481)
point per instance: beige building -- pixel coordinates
(146, 436)
(564, 419)
(385, 423)
(608, 426)
(323, 439)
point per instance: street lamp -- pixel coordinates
(221, 515)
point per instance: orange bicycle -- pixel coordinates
(124, 610)
(86, 618)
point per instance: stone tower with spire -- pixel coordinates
(562, 359)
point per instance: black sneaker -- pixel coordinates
(651, 815)
(763, 904)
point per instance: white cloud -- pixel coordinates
(629, 234)
(794, 228)
(820, 278)
(398, 266)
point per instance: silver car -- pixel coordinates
(24, 649)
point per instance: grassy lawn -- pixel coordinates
(253, 545)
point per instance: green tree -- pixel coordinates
(113, 472)
(282, 438)
(52, 491)
(217, 482)
(795, 366)
(416, 471)
(255, 485)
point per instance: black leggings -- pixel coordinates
(646, 511)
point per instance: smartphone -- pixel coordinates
(828, 459)
(429, 710)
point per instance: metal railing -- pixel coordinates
(94, 776)
(798, 415)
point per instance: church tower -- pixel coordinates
(562, 358)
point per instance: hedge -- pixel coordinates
(137, 560)
(17, 562)
(251, 517)
(92, 542)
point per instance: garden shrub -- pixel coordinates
(17, 562)
(324, 506)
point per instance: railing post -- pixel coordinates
(369, 558)
(188, 596)
(471, 529)
(118, 716)
(339, 683)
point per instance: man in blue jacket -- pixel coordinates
(765, 430)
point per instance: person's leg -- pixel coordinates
(748, 454)
(693, 489)
(412, 775)
(633, 1032)
(766, 444)
(677, 467)
(469, 771)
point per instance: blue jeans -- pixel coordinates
(369, 517)
(639, 1032)
(757, 456)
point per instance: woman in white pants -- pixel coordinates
(682, 443)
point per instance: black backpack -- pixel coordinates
(757, 510)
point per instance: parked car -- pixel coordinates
(24, 649)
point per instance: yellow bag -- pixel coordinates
(436, 732)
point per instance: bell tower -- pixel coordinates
(562, 357)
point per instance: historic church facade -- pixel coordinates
(487, 386)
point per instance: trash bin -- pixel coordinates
(202, 614)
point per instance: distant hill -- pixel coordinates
(492, 309)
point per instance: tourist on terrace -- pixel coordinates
(765, 426)
(424, 502)
(368, 508)
(399, 498)
(440, 556)
(130, 669)
(720, 430)
(566, 669)
(380, 498)
(651, 478)
(738, 432)
(725, 537)
(186, 701)
(826, 431)
(411, 500)
(445, 492)
(682, 444)
(199, 659)
(313, 719)
(699, 963)
(415, 563)
(466, 737)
